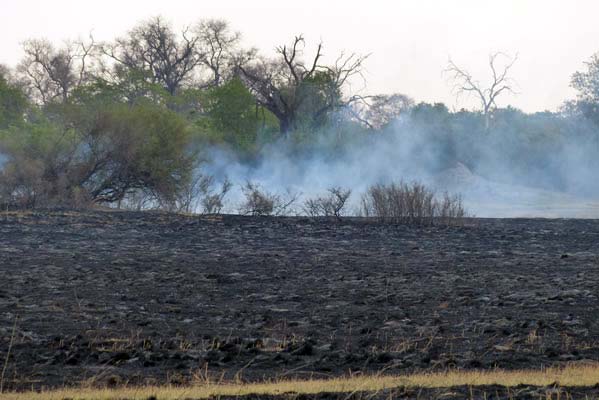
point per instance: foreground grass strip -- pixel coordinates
(572, 376)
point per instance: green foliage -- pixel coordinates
(100, 157)
(319, 95)
(41, 139)
(127, 86)
(234, 119)
(13, 104)
(587, 84)
(148, 148)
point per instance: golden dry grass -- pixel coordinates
(572, 376)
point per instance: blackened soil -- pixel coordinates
(492, 392)
(116, 297)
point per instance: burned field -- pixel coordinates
(150, 298)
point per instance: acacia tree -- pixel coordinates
(501, 82)
(288, 86)
(153, 50)
(51, 74)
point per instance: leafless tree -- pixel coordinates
(213, 202)
(257, 201)
(154, 49)
(219, 48)
(189, 197)
(331, 205)
(260, 202)
(51, 74)
(379, 110)
(284, 84)
(500, 83)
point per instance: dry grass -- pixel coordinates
(571, 376)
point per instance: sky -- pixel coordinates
(409, 41)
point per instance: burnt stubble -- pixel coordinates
(124, 297)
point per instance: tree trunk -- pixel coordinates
(284, 125)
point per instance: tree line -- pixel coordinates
(88, 122)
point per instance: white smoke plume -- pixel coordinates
(403, 152)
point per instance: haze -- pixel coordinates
(409, 41)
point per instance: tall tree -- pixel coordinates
(220, 50)
(587, 84)
(286, 84)
(157, 53)
(50, 73)
(501, 82)
(380, 110)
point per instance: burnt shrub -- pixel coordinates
(260, 202)
(213, 201)
(412, 203)
(331, 205)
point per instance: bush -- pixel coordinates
(117, 152)
(259, 202)
(330, 206)
(213, 203)
(411, 204)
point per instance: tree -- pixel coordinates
(331, 205)
(51, 74)
(587, 84)
(147, 150)
(219, 47)
(94, 153)
(154, 51)
(286, 84)
(233, 114)
(380, 110)
(13, 102)
(500, 83)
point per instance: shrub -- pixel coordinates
(411, 204)
(213, 203)
(331, 205)
(261, 202)
(118, 151)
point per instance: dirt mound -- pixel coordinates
(486, 198)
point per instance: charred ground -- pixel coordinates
(114, 297)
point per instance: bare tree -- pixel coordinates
(379, 110)
(260, 202)
(330, 206)
(285, 84)
(500, 83)
(219, 48)
(49, 73)
(213, 202)
(154, 49)
(189, 196)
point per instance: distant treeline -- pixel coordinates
(84, 122)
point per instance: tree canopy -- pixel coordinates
(100, 123)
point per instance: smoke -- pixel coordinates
(552, 182)
(286, 168)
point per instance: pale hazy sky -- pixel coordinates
(409, 41)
